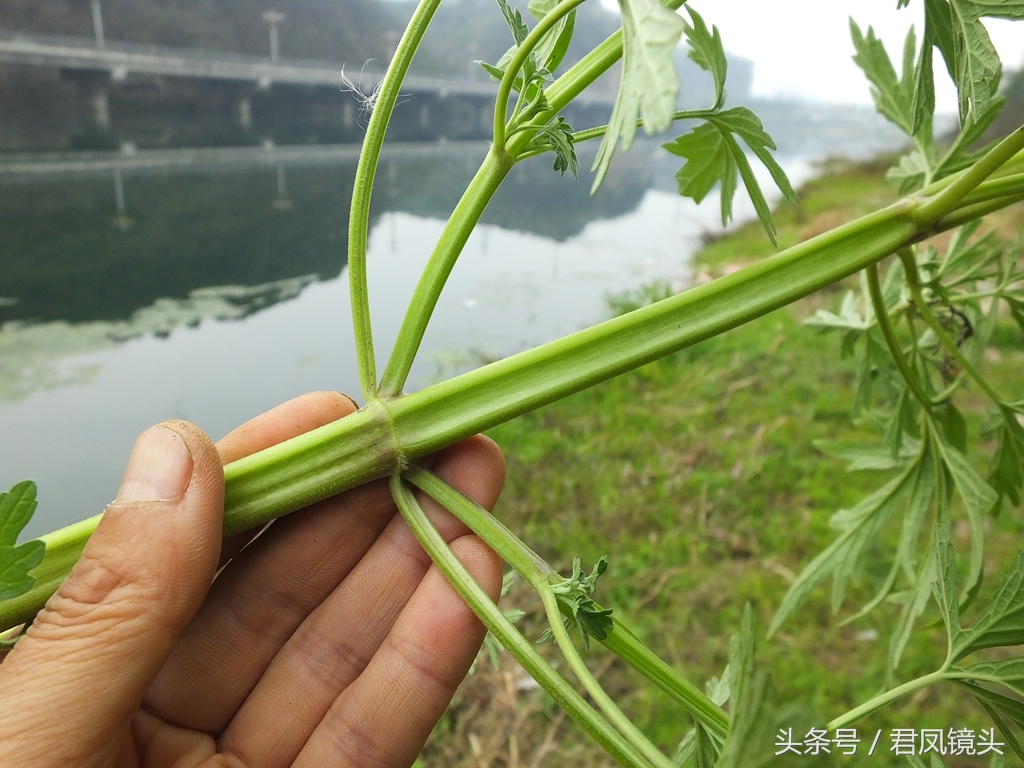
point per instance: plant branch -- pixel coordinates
(518, 59)
(946, 200)
(883, 699)
(537, 573)
(442, 260)
(601, 130)
(914, 282)
(563, 694)
(889, 334)
(359, 216)
(590, 684)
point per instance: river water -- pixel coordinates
(212, 285)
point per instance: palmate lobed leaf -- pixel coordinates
(707, 51)
(649, 86)
(894, 97)
(16, 508)
(714, 156)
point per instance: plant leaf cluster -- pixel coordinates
(1000, 625)
(712, 150)
(536, 73)
(574, 594)
(17, 560)
(925, 443)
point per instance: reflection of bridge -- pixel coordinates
(59, 165)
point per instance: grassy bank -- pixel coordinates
(698, 477)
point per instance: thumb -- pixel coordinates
(83, 666)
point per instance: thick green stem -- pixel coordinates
(889, 334)
(946, 200)
(914, 281)
(537, 573)
(359, 217)
(382, 437)
(63, 549)
(563, 694)
(590, 684)
(453, 239)
(883, 699)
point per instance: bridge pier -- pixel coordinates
(101, 109)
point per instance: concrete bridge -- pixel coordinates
(121, 59)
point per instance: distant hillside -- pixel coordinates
(336, 30)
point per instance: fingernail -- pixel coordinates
(159, 469)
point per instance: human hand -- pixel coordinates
(329, 640)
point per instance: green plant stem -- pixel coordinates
(538, 574)
(63, 548)
(968, 213)
(519, 59)
(384, 436)
(914, 282)
(885, 698)
(428, 290)
(563, 694)
(359, 216)
(601, 130)
(946, 200)
(590, 684)
(889, 334)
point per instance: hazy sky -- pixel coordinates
(802, 48)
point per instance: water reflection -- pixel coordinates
(210, 285)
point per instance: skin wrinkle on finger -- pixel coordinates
(371, 599)
(108, 629)
(242, 626)
(411, 679)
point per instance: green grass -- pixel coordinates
(698, 477)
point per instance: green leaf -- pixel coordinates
(557, 136)
(849, 316)
(707, 51)
(894, 98)
(978, 498)
(574, 593)
(864, 456)
(909, 174)
(1002, 622)
(913, 606)
(1008, 672)
(751, 724)
(16, 560)
(840, 559)
(551, 49)
(515, 22)
(976, 68)
(16, 509)
(946, 589)
(650, 32)
(490, 69)
(999, 707)
(1006, 474)
(714, 157)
